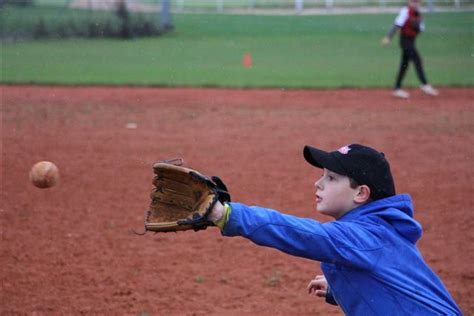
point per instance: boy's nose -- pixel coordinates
(317, 184)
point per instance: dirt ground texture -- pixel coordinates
(69, 249)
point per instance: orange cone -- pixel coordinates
(247, 60)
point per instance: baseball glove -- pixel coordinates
(182, 198)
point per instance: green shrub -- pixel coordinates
(40, 30)
(143, 27)
(19, 3)
(40, 22)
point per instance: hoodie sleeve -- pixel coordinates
(333, 242)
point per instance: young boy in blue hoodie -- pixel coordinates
(368, 255)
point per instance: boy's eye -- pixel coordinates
(330, 177)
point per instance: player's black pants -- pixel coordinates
(409, 52)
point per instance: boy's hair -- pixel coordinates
(362, 164)
(353, 183)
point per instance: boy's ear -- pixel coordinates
(363, 194)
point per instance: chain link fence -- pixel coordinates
(258, 6)
(300, 6)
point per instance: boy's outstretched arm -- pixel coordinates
(303, 237)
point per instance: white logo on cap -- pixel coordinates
(344, 150)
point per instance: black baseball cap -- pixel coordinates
(363, 164)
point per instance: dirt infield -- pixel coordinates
(69, 249)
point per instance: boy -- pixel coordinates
(368, 253)
(410, 23)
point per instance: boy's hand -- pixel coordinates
(318, 286)
(385, 41)
(216, 213)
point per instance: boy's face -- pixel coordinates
(415, 4)
(334, 195)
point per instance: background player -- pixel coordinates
(410, 24)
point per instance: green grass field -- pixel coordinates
(287, 51)
(243, 4)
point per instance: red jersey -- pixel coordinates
(410, 22)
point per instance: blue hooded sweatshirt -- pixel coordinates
(368, 256)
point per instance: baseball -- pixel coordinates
(44, 174)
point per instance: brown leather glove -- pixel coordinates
(182, 199)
